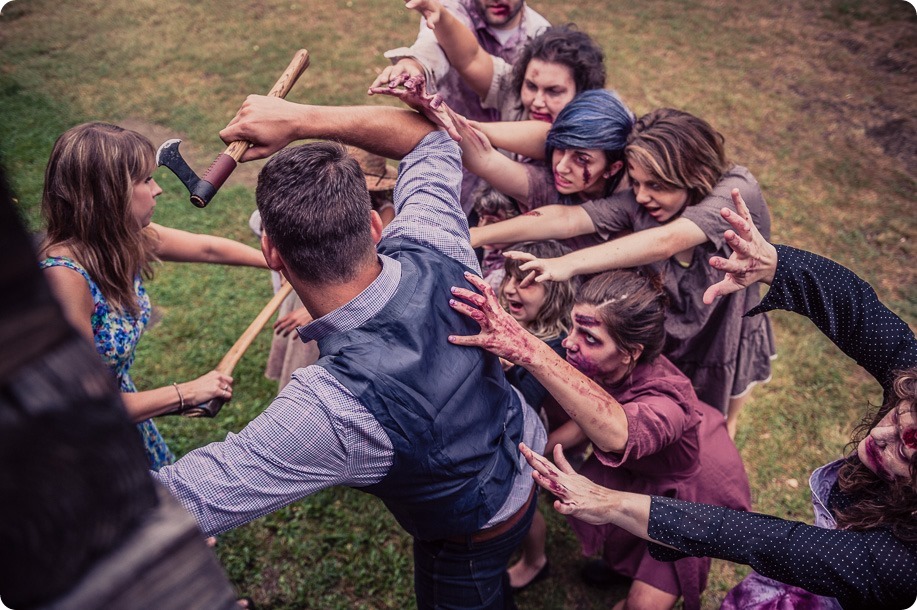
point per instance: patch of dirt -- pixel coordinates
(245, 174)
(875, 64)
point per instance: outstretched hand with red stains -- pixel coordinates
(500, 333)
(412, 91)
(753, 258)
(576, 495)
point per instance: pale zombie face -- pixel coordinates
(523, 303)
(501, 14)
(591, 350)
(143, 200)
(662, 202)
(892, 443)
(580, 170)
(546, 89)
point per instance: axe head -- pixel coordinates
(169, 156)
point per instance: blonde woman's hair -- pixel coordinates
(86, 204)
(553, 319)
(679, 150)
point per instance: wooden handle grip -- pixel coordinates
(280, 89)
(235, 353)
(232, 357)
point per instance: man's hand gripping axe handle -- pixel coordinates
(203, 188)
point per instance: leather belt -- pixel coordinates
(499, 529)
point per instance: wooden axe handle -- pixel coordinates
(235, 353)
(280, 89)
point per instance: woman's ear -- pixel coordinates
(613, 169)
(630, 358)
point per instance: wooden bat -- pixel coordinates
(235, 353)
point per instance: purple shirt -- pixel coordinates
(449, 83)
(316, 434)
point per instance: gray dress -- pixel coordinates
(723, 353)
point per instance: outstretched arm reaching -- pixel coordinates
(640, 248)
(546, 222)
(581, 498)
(271, 123)
(601, 417)
(465, 54)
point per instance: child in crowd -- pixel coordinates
(544, 311)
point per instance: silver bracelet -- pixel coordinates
(181, 399)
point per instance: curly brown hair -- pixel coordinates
(878, 503)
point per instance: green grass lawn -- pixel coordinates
(815, 98)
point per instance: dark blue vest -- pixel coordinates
(450, 414)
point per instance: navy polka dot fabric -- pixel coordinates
(861, 569)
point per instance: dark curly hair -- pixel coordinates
(565, 45)
(878, 503)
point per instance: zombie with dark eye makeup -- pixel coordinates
(862, 550)
(650, 432)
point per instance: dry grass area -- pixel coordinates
(816, 98)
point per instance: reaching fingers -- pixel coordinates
(564, 509)
(741, 206)
(519, 256)
(740, 225)
(741, 244)
(466, 340)
(718, 290)
(561, 460)
(479, 300)
(479, 283)
(552, 485)
(528, 280)
(472, 312)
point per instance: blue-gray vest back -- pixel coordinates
(451, 416)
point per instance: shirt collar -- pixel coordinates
(359, 309)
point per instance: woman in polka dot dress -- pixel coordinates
(862, 551)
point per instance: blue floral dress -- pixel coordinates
(116, 335)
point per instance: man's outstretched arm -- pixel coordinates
(271, 123)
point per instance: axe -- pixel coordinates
(203, 188)
(232, 357)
